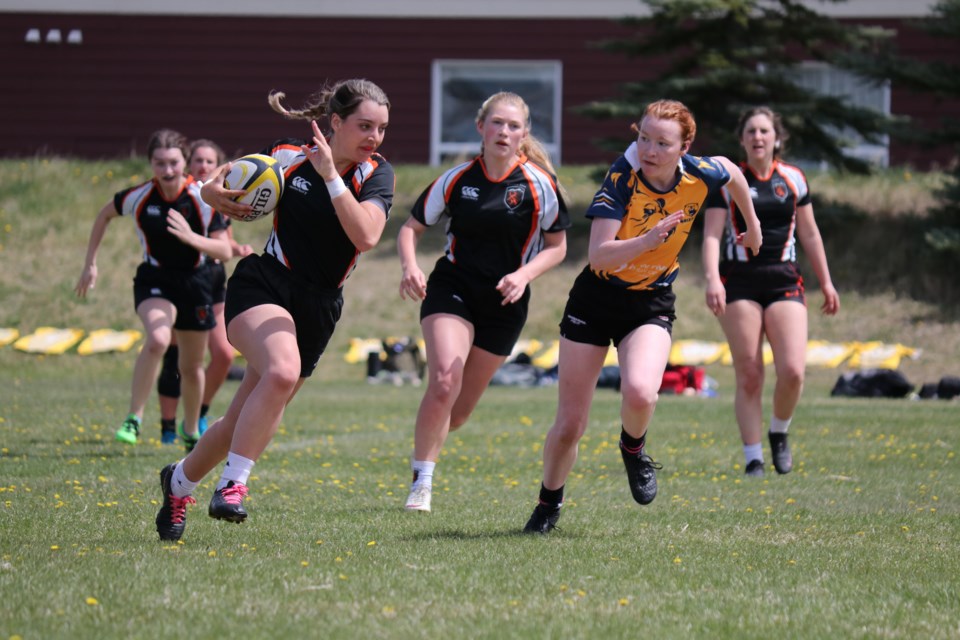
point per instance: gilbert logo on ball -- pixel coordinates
(261, 178)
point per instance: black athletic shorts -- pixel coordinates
(218, 275)
(600, 313)
(496, 326)
(189, 291)
(261, 279)
(762, 283)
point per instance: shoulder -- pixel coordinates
(792, 172)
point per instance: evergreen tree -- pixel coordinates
(942, 79)
(722, 56)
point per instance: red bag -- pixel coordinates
(678, 378)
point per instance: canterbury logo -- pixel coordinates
(575, 320)
(300, 184)
(470, 193)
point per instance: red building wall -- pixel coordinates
(209, 77)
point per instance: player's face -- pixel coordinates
(202, 163)
(168, 165)
(503, 131)
(759, 138)
(659, 146)
(361, 133)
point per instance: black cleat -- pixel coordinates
(754, 469)
(172, 517)
(543, 520)
(782, 458)
(227, 503)
(641, 474)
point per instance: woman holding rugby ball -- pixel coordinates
(283, 305)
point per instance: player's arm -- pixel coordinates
(812, 242)
(216, 246)
(413, 282)
(513, 285)
(363, 222)
(607, 253)
(715, 219)
(88, 277)
(740, 192)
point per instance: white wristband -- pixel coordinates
(335, 187)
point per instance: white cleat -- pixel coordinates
(419, 498)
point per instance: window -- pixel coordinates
(827, 80)
(461, 86)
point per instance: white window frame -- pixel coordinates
(825, 79)
(503, 76)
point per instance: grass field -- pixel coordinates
(862, 540)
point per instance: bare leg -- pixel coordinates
(743, 325)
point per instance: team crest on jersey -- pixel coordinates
(513, 197)
(779, 187)
(691, 209)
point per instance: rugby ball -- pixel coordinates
(261, 178)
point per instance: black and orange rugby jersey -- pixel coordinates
(148, 206)
(626, 196)
(493, 226)
(307, 236)
(775, 199)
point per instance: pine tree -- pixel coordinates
(942, 79)
(725, 55)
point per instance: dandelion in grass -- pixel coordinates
(304, 563)
(93, 602)
(623, 602)
(372, 543)
(212, 553)
(678, 560)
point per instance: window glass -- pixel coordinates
(461, 86)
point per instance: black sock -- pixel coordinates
(631, 444)
(203, 409)
(551, 497)
(168, 425)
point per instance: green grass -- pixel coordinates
(862, 540)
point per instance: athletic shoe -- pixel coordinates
(189, 441)
(641, 474)
(419, 498)
(129, 430)
(172, 517)
(168, 436)
(227, 503)
(202, 425)
(754, 469)
(782, 458)
(543, 520)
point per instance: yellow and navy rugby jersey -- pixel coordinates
(626, 196)
(775, 199)
(145, 202)
(493, 226)
(307, 235)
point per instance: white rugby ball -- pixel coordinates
(261, 177)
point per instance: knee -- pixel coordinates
(791, 377)
(281, 379)
(750, 378)
(221, 353)
(568, 429)
(444, 386)
(638, 399)
(157, 343)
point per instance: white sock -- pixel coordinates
(424, 472)
(753, 452)
(779, 426)
(237, 470)
(180, 485)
